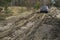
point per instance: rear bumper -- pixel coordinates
(43, 11)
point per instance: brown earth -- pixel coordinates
(34, 26)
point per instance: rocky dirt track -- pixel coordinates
(36, 26)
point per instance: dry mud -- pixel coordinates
(36, 26)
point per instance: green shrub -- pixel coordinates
(37, 5)
(5, 4)
(3, 15)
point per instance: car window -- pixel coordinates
(44, 7)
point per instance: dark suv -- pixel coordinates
(44, 9)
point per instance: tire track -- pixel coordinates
(34, 27)
(13, 25)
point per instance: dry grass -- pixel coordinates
(18, 10)
(15, 11)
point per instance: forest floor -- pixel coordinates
(30, 25)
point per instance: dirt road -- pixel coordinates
(35, 26)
